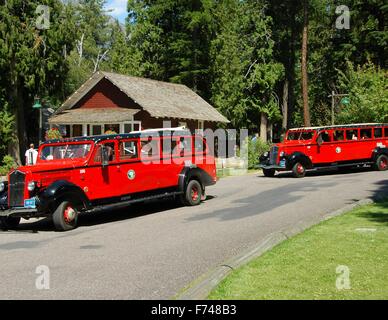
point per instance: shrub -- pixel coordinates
(53, 134)
(8, 164)
(255, 150)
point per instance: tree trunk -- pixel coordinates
(263, 126)
(285, 105)
(18, 145)
(306, 110)
(290, 73)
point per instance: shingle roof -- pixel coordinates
(159, 99)
(93, 115)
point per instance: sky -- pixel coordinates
(119, 8)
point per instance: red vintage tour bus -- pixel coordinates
(90, 174)
(339, 146)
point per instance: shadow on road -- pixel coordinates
(85, 220)
(325, 172)
(265, 201)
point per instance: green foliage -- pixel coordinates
(367, 87)
(243, 69)
(7, 165)
(255, 150)
(170, 40)
(6, 130)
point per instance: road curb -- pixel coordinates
(200, 289)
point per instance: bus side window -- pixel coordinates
(386, 132)
(366, 134)
(378, 132)
(128, 150)
(325, 136)
(199, 146)
(185, 146)
(339, 135)
(351, 134)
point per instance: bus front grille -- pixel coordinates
(16, 189)
(273, 155)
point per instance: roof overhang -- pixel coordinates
(93, 115)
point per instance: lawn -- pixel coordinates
(305, 266)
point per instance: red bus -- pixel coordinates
(338, 146)
(90, 174)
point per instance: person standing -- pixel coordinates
(31, 155)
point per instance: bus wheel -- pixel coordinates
(65, 217)
(9, 222)
(382, 162)
(269, 172)
(193, 194)
(298, 170)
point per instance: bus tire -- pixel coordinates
(269, 172)
(65, 217)
(193, 194)
(381, 162)
(298, 170)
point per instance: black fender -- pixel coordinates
(4, 196)
(4, 200)
(193, 172)
(379, 151)
(298, 157)
(59, 191)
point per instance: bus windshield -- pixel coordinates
(300, 135)
(65, 151)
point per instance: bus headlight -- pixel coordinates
(2, 186)
(31, 186)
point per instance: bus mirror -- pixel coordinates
(104, 156)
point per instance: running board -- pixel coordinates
(123, 204)
(341, 166)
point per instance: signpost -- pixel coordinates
(38, 105)
(345, 101)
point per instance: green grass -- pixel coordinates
(304, 266)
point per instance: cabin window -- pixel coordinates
(77, 130)
(351, 134)
(339, 135)
(378, 132)
(108, 128)
(128, 150)
(96, 130)
(386, 132)
(366, 134)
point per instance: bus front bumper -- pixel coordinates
(18, 212)
(279, 167)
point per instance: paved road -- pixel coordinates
(152, 251)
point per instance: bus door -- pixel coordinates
(325, 149)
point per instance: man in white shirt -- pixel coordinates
(31, 155)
